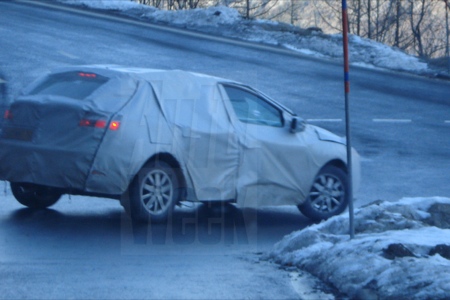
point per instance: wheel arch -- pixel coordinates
(307, 207)
(174, 164)
(338, 164)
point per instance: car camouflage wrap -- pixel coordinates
(97, 137)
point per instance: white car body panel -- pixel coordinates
(190, 117)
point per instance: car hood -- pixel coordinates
(325, 135)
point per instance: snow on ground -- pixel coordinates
(221, 20)
(391, 257)
(105, 4)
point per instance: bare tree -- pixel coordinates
(369, 19)
(417, 26)
(397, 22)
(417, 23)
(358, 17)
(329, 13)
(154, 3)
(187, 4)
(251, 9)
(447, 33)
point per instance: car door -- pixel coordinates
(274, 162)
(2, 100)
(203, 137)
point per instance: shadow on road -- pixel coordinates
(200, 227)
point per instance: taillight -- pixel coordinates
(89, 75)
(114, 125)
(85, 123)
(8, 115)
(100, 124)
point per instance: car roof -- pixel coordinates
(167, 84)
(144, 73)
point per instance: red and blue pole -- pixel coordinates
(345, 43)
(347, 116)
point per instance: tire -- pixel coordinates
(153, 193)
(328, 195)
(34, 196)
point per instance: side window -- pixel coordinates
(2, 90)
(250, 108)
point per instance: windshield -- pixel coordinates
(75, 85)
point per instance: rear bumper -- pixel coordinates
(27, 162)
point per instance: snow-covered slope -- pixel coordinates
(227, 22)
(401, 250)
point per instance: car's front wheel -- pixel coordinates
(34, 196)
(153, 193)
(328, 195)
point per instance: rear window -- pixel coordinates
(76, 85)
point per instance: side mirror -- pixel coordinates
(297, 125)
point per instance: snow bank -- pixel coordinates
(227, 22)
(212, 16)
(105, 4)
(365, 266)
(384, 56)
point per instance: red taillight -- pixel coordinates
(100, 124)
(89, 75)
(8, 115)
(85, 123)
(114, 125)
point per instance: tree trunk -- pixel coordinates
(369, 27)
(397, 24)
(416, 28)
(292, 12)
(377, 23)
(247, 15)
(358, 20)
(447, 46)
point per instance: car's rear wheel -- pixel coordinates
(34, 196)
(153, 193)
(328, 195)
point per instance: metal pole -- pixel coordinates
(447, 48)
(347, 117)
